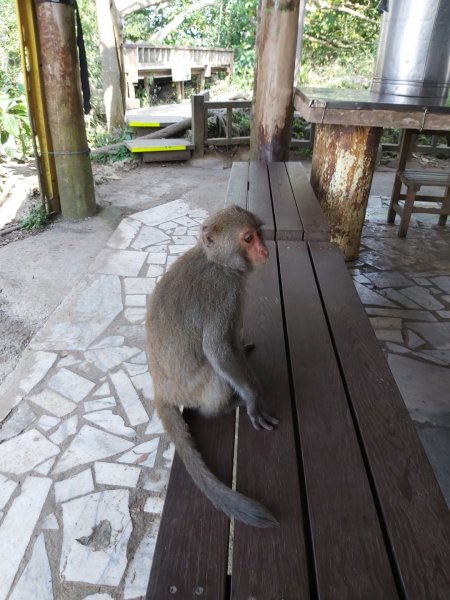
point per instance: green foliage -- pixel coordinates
(10, 61)
(37, 219)
(14, 123)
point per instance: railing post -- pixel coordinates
(198, 123)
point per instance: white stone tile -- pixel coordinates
(135, 315)
(186, 240)
(83, 315)
(171, 260)
(45, 467)
(180, 230)
(397, 349)
(136, 300)
(168, 226)
(71, 385)
(112, 341)
(52, 402)
(400, 299)
(90, 444)
(24, 452)
(22, 516)
(399, 313)
(124, 234)
(389, 335)
(19, 419)
(115, 474)
(195, 231)
(385, 322)
(136, 580)
(437, 334)
(140, 359)
(155, 427)
(442, 282)
(65, 430)
(1, 515)
(68, 361)
(139, 285)
(7, 487)
(423, 297)
(413, 340)
(97, 528)
(46, 422)
(50, 522)
(198, 213)
(368, 296)
(36, 579)
(154, 505)
(161, 214)
(106, 359)
(156, 480)
(78, 485)
(388, 279)
(120, 262)
(100, 404)
(129, 398)
(106, 419)
(180, 248)
(143, 455)
(133, 370)
(98, 597)
(149, 236)
(444, 314)
(103, 390)
(144, 383)
(186, 221)
(42, 363)
(157, 258)
(155, 271)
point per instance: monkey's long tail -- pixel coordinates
(231, 503)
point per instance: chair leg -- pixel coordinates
(407, 211)
(394, 199)
(446, 206)
(403, 157)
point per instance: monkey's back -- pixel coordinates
(191, 296)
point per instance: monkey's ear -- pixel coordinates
(207, 236)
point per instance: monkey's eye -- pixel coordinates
(248, 238)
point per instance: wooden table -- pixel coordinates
(349, 124)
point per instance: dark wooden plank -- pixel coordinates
(287, 219)
(192, 546)
(351, 559)
(315, 224)
(416, 517)
(259, 199)
(269, 563)
(238, 185)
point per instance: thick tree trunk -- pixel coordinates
(274, 79)
(56, 24)
(111, 69)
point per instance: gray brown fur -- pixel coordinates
(195, 351)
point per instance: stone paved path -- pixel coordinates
(83, 459)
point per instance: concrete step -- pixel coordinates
(161, 150)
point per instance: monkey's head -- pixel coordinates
(233, 237)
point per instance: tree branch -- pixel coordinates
(345, 9)
(178, 19)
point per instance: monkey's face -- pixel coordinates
(253, 246)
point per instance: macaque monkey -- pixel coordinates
(196, 355)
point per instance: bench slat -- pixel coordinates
(278, 564)
(287, 219)
(315, 223)
(259, 200)
(192, 546)
(341, 508)
(416, 516)
(238, 185)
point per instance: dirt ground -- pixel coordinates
(38, 269)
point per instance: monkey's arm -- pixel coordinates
(228, 360)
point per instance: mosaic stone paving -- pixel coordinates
(83, 458)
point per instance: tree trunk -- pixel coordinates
(56, 24)
(274, 80)
(111, 72)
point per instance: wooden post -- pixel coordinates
(341, 175)
(274, 80)
(56, 23)
(198, 123)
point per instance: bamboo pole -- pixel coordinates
(56, 24)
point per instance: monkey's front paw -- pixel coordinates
(261, 420)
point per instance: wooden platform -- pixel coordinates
(161, 150)
(282, 197)
(361, 514)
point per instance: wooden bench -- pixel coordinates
(414, 181)
(361, 514)
(281, 195)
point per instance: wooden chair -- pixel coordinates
(414, 181)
